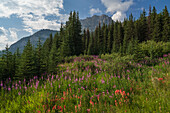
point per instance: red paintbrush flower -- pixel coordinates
(160, 79)
(54, 107)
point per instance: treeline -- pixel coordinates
(119, 37)
(123, 37)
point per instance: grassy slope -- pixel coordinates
(90, 84)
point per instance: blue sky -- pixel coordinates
(20, 18)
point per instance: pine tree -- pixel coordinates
(84, 41)
(78, 41)
(149, 24)
(100, 39)
(46, 51)
(115, 39)
(73, 30)
(143, 27)
(110, 38)
(27, 64)
(40, 65)
(96, 46)
(153, 21)
(17, 55)
(105, 35)
(91, 45)
(129, 32)
(166, 25)
(87, 41)
(54, 55)
(157, 35)
(7, 60)
(119, 35)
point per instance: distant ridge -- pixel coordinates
(89, 22)
(42, 34)
(92, 22)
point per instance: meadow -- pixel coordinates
(93, 84)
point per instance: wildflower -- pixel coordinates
(165, 55)
(60, 108)
(88, 110)
(76, 109)
(130, 89)
(160, 79)
(62, 98)
(9, 89)
(128, 71)
(1, 84)
(19, 93)
(54, 107)
(91, 102)
(79, 105)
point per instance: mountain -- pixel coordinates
(90, 22)
(93, 22)
(42, 34)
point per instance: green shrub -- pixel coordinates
(152, 49)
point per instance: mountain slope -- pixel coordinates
(42, 34)
(90, 22)
(93, 22)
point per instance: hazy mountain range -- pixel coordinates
(90, 23)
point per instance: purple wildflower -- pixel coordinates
(1, 84)
(19, 93)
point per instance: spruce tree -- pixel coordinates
(166, 25)
(157, 32)
(153, 21)
(149, 24)
(143, 27)
(40, 65)
(7, 60)
(54, 55)
(110, 38)
(84, 41)
(27, 63)
(100, 39)
(105, 35)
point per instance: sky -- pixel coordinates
(21, 18)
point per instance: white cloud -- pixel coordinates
(94, 11)
(119, 16)
(117, 8)
(33, 12)
(7, 37)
